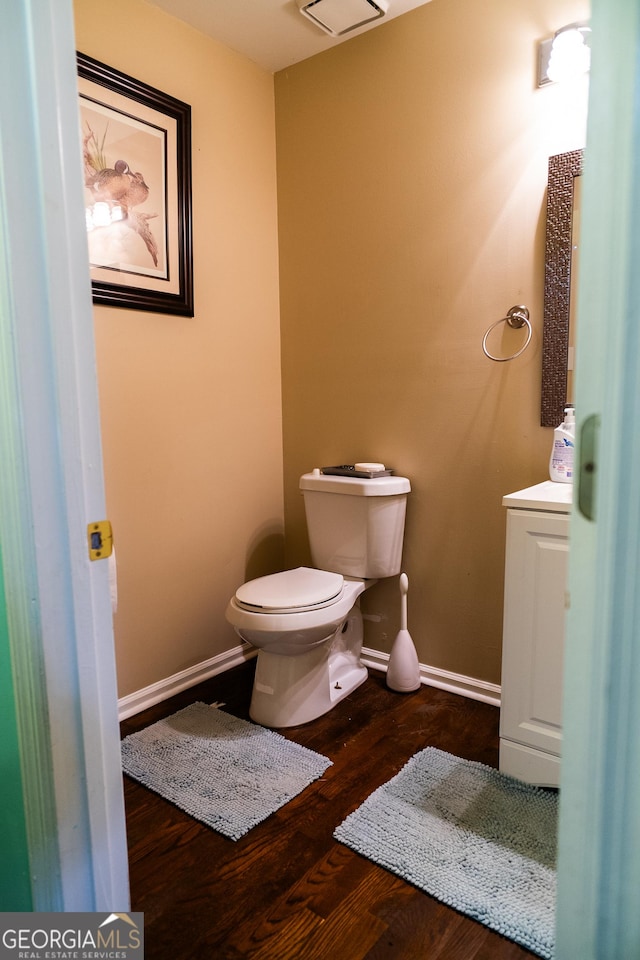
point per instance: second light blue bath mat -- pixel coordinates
(477, 840)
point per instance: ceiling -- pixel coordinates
(271, 33)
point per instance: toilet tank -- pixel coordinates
(356, 526)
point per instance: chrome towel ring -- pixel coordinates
(516, 317)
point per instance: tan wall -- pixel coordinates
(191, 408)
(411, 170)
(412, 166)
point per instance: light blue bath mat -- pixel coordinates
(225, 772)
(477, 840)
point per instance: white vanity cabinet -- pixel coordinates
(533, 632)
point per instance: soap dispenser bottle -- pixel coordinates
(561, 460)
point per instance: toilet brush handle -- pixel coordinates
(404, 589)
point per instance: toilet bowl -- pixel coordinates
(308, 649)
(291, 612)
(306, 622)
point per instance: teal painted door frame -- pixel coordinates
(15, 878)
(57, 658)
(599, 860)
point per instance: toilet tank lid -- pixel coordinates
(355, 486)
(291, 589)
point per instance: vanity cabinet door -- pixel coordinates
(533, 640)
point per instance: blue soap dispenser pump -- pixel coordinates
(564, 436)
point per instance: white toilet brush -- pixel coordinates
(403, 673)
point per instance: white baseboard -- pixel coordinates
(442, 679)
(163, 689)
(376, 659)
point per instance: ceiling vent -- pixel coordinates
(337, 17)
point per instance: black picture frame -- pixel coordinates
(170, 290)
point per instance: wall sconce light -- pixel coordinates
(565, 55)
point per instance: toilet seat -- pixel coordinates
(292, 591)
(294, 631)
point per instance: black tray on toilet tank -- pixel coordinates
(348, 470)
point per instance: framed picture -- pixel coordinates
(136, 144)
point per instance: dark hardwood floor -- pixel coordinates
(287, 890)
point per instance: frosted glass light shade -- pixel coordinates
(566, 56)
(570, 56)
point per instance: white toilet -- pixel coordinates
(307, 622)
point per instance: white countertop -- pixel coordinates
(548, 495)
